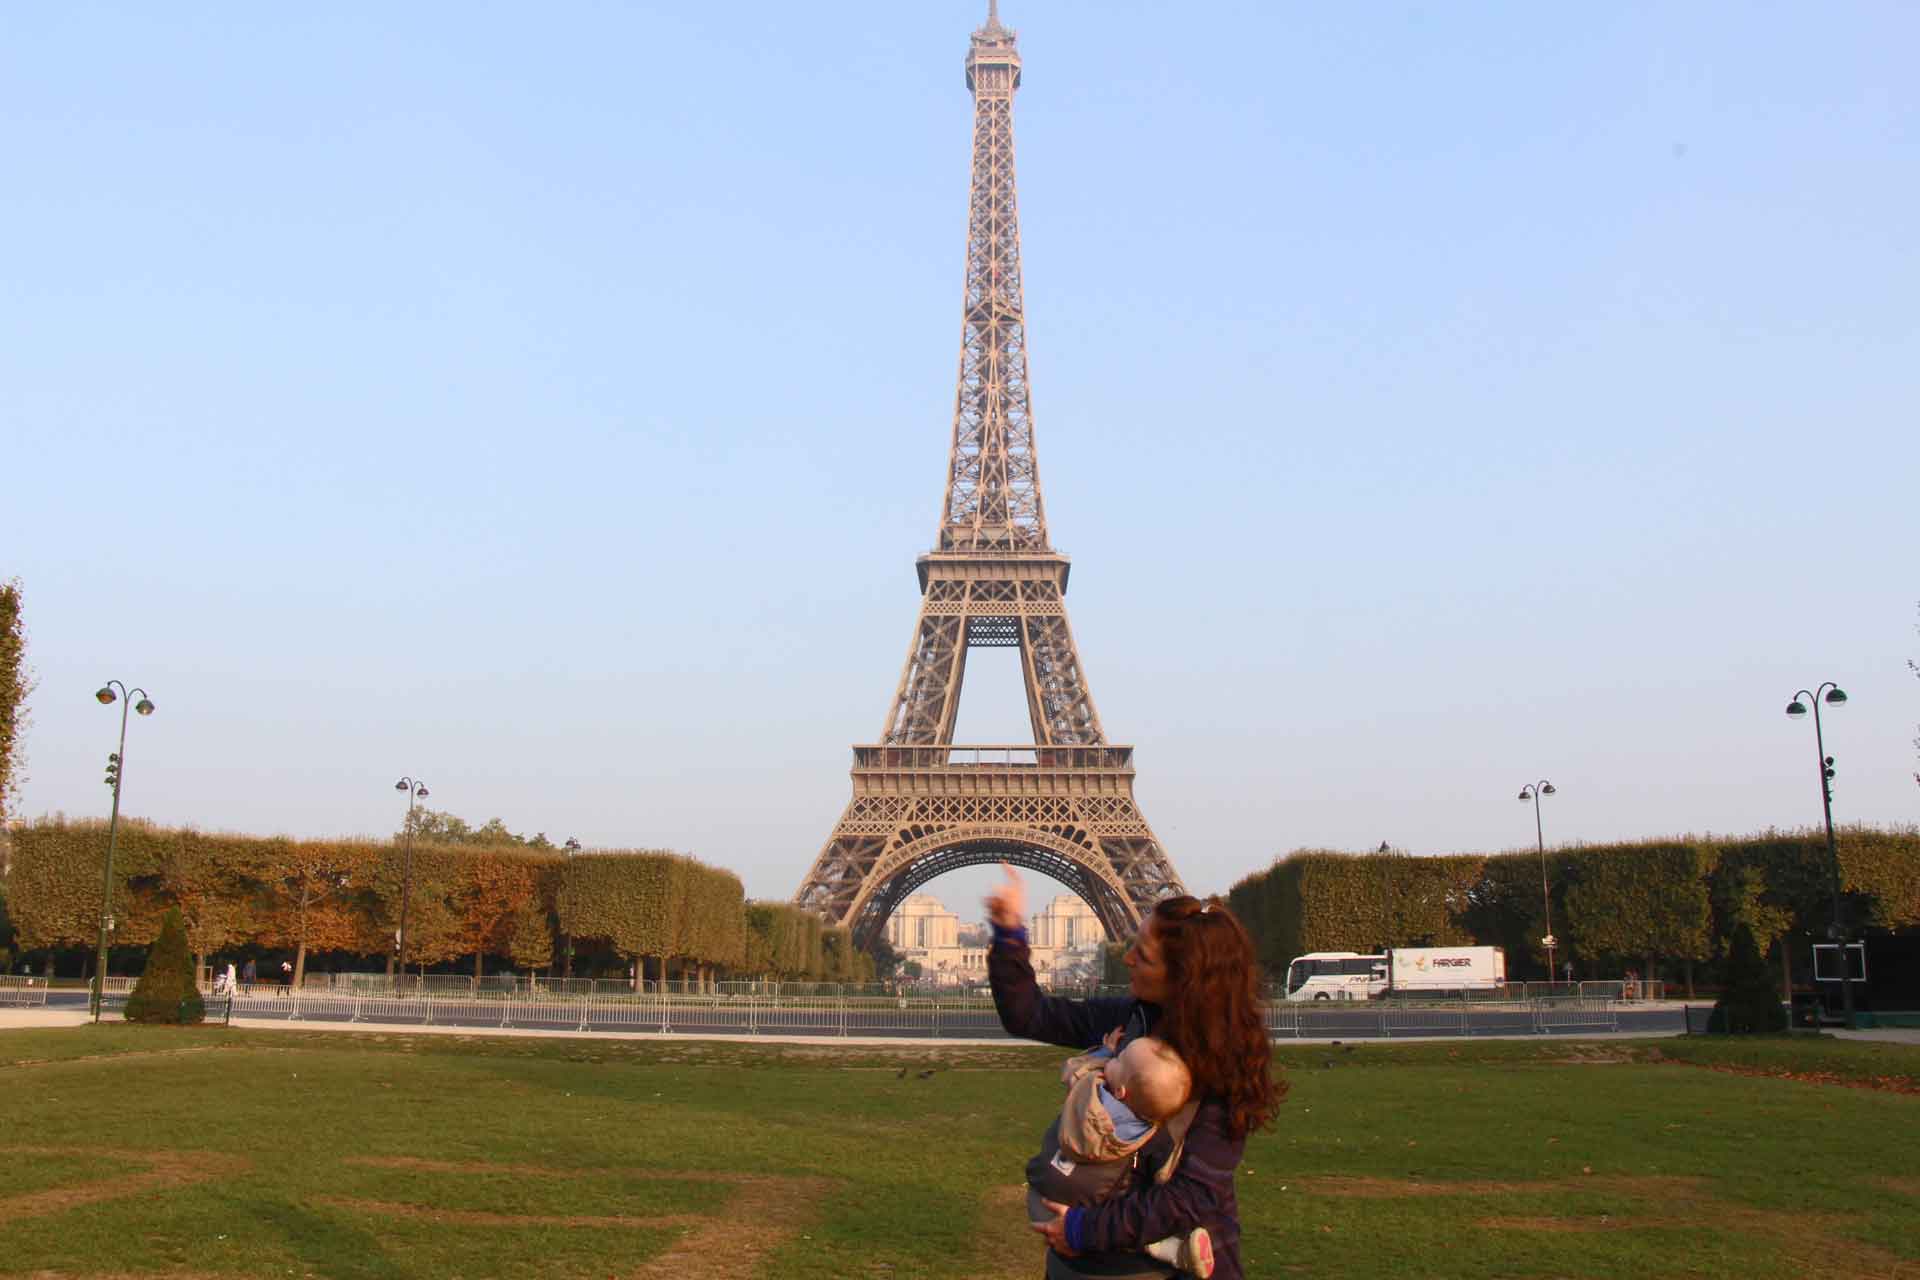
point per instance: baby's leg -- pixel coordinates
(1192, 1253)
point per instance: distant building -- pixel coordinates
(1067, 924)
(923, 923)
(1065, 940)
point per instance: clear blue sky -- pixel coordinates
(551, 403)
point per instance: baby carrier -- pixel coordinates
(1083, 1160)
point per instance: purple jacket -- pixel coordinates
(1200, 1192)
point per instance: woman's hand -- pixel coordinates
(1055, 1230)
(1007, 903)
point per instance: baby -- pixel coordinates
(1117, 1100)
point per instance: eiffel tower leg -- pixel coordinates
(1055, 684)
(928, 698)
(1143, 868)
(847, 860)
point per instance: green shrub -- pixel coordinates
(167, 992)
(1749, 1002)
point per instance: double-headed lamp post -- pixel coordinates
(1831, 694)
(1533, 791)
(116, 771)
(1386, 880)
(416, 790)
(572, 847)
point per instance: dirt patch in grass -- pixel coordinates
(1603, 1223)
(1595, 1054)
(1401, 1188)
(1905, 1186)
(1811, 1244)
(1907, 1085)
(1398, 1188)
(169, 1169)
(481, 1218)
(763, 1214)
(112, 1056)
(130, 1275)
(414, 1164)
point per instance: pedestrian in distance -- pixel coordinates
(249, 974)
(286, 977)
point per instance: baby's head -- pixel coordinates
(1150, 1078)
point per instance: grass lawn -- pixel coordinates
(132, 1151)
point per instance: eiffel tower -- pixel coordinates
(922, 805)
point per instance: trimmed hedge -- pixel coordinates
(1749, 1001)
(1319, 900)
(1613, 905)
(345, 895)
(166, 991)
(655, 905)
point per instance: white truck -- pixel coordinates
(1402, 971)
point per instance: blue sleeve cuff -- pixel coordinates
(1016, 934)
(1076, 1229)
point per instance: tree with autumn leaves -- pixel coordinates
(15, 684)
(466, 900)
(656, 908)
(493, 900)
(313, 898)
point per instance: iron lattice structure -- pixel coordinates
(922, 805)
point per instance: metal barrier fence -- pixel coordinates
(644, 1012)
(18, 991)
(1545, 1017)
(1512, 992)
(456, 986)
(512, 988)
(910, 1017)
(904, 1017)
(113, 1004)
(452, 987)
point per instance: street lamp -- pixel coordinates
(416, 790)
(1834, 696)
(1386, 881)
(116, 770)
(572, 847)
(1533, 791)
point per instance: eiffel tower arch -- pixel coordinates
(923, 805)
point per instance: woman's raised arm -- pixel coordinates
(1024, 1010)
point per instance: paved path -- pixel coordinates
(1890, 1035)
(63, 1014)
(54, 1017)
(59, 1016)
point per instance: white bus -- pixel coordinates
(1439, 971)
(1336, 975)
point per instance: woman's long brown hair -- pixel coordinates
(1212, 1015)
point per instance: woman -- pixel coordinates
(1194, 982)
